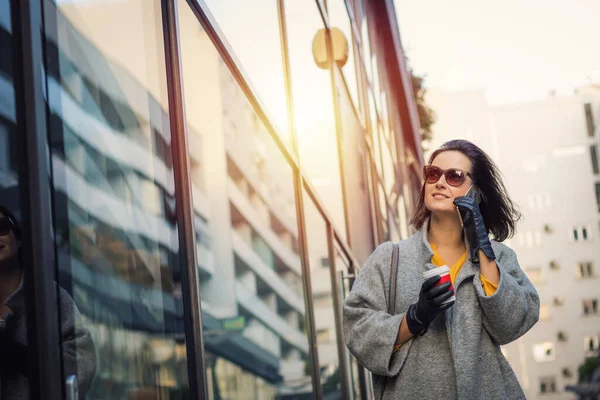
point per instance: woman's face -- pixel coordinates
(8, 245)
(439, 196)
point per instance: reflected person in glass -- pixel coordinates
(459, 294)
(78, 352)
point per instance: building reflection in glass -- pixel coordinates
(243, 193)
(115, 211)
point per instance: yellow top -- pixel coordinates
(488, 287)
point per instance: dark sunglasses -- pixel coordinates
(6, 225)
(454, 176)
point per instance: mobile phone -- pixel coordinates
(472, 192)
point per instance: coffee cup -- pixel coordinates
(444, 273)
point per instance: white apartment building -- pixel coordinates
(547, 151)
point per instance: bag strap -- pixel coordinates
(393, 275)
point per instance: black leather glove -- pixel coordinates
(429, 305)
(474, 228)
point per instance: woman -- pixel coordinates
(79, 355)
(430, 350)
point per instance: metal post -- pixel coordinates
(337, 309)
(338, 134)
(35, 191)
(298, 194)
(185, 218)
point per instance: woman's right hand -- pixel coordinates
(429, 305)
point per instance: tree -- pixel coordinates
(586, 370)
(426, 113)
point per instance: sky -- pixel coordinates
(516, 50)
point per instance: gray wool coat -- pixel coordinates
(78, 350)
(459, 356)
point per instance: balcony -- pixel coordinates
(274, 207)
(201, 202)
(107, 141)
(245, 252)
(7, 94)
(241, 202)
(125, 216)
(206, 260)
(262, 312)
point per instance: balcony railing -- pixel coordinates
(262, 312)
(285, 254)
(268, 275)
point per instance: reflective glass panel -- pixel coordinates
(339, 18)
(313, 108)
(13, 246)
(388, 163)
(322, 295)
(342, 266)
(250, 269)
(252, 30)
(114, 197)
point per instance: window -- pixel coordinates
(529, 239)
(313, 104)
(252, 203)
(241, 34)
(339, 18)
(598, 195)
(537, 238)
(589, 119)
(539, 202)
(113, 203)
(591, 345)
(12, 149)
(544, 312)
(594, 157)
(4, 149)
(590, 306)
(585, 270)
(534, 274)
(580, 233)
(325, 262)
(544, 352)
(548, 384)
(559, 301)
(321, 286)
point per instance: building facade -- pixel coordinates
(547, 151)
(203, 178)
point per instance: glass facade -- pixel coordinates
(244, 195)
(294, 179)
(114, 199)
(322, 297)
(9, 170)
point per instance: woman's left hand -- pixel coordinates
(474, 226)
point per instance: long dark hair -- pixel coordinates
(500, 213)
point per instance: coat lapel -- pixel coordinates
(468, 270)
(460, 321)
